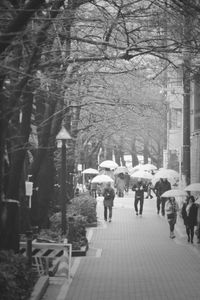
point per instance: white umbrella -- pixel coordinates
(193, 187)
(110, 164)
(142, 174)
(166, 173)
(102, 178)
(121, 169)
(90, 171)
(135, 169)
(149, 167)
(174, 193)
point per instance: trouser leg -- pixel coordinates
(192, 233)
(158, 204)
(171, 226)
(105, 213)
(110, 212)
(163, 206)
(141, 205)
(188, 232)
(136, 205)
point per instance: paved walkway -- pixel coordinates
(132, 258)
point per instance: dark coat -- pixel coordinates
(184, 214)
(191, 219)
(161, 187)
(139, 188)
(109, 195)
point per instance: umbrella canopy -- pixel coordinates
(149, 167)
(174, 193)
(142, 174)
(110, 164)
(121, 169)
(102, 179)
(193, 187)
(135, 169)
(166, 173)
(90, 171)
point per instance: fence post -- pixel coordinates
(29, 235)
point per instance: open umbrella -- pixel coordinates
(148, 167)
(90, 171)
(142, 174)
(120, 169)
(102, 179)
(110, 164)
(135, 169)
(193, 187)
(166, 173)
(174, 193)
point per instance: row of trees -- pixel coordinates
(96, 67)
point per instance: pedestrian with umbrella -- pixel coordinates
(171, 209)
(139, 188)
(195, 187)
(160, 187)
(120, 184)
(189, 214)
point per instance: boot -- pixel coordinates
(172, 235)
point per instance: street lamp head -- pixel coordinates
(63, 135)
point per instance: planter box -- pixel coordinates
(40, 288)
(81, 252)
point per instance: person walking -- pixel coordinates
(184, 216)
(120, 185)
(171, 208)
(149, 189)
(109, 195)
(139, 188)
(127, 182)
(198, 220)
(94, 189)
(161, 186)
(189, 214)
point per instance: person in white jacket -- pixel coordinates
(171, 209)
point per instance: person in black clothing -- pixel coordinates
(161, 186)
(139, 188)
(189, 215)
(109, 195)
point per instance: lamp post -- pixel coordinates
(61, 138)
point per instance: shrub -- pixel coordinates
(16, 278)
(80, 211)
(77, 232)
(84, 205)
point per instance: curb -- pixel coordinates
(40, 288)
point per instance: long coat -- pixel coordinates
(190, 219)
(109, 195)
(161, 186)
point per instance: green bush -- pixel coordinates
(84, 205)
(77, 232)
(80, 212)
(16, 278)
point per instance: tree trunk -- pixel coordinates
(18, 157)
(145, 151)
(135, 161)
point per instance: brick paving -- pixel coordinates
(133, 258)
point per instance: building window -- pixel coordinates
(175, 118)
